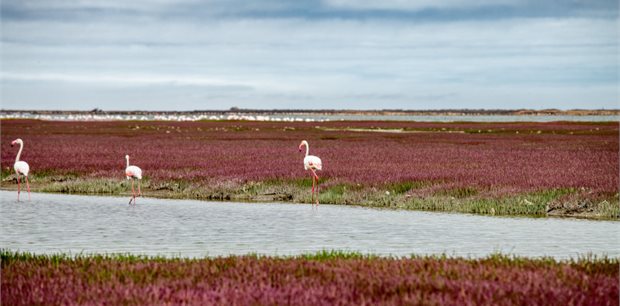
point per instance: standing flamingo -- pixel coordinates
(21, 167)
(133, 173)
(313, 163)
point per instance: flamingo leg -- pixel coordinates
(18, 187)
(133, 192)
(317, 191)
(139, 192)
(132, 198)
(28, 185)
(315, 177)
(312, 201)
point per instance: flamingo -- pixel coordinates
(313, 163)
(21, 167)
(133, 173)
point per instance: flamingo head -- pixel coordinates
(17, 141)
(303, 143)
(126, 156)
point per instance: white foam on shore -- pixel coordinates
(301, 117)
(156, 117)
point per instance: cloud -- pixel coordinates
(417, 5)
(67, 6)
(200, 10)
(153, 57)
(128, 80)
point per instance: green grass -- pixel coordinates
(609, 209)
(333, 194)
(509, 206)
(587, 261)
(459, 193)
(89, 186)
(404, 187)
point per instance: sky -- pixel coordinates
(308, 54)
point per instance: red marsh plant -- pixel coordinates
(514, 157)
(328, 278)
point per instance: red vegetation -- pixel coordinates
(337, 281)
(510, 157)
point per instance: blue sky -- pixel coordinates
(310, 54)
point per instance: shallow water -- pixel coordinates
(469, 118)
(52, 223)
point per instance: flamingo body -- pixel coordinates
(21, 167)
(133, 172)
(312, 162)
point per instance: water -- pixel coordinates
(468, 118)
(51, 223)
(304, 117)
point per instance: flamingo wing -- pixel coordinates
(133, 171)
(313, 162)
(22, 167)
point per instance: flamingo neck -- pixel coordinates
(127, 162)
(307, 148)
(19, 153)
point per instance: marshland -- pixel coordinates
(519, 169)
(475, 204)
(332, 152)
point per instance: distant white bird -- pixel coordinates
(133, 173)
(21, 167)
(312, 163)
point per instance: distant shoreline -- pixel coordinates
(381, 112)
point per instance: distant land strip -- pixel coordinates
(387, 112)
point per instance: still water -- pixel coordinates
(467, 118)
(52, 223)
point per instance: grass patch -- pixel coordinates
(609, 209)
(404, 187)
(459, 193)
(588, 262)
(512, 205)
(92, 186)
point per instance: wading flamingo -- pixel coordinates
(21, 167)
(133, 173)
(313, 163)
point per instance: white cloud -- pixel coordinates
(143, 5)
(568, 62)
(416, 5)
(132, 79)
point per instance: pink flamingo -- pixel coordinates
(313, 163)
(133, 173)
(21, 167)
